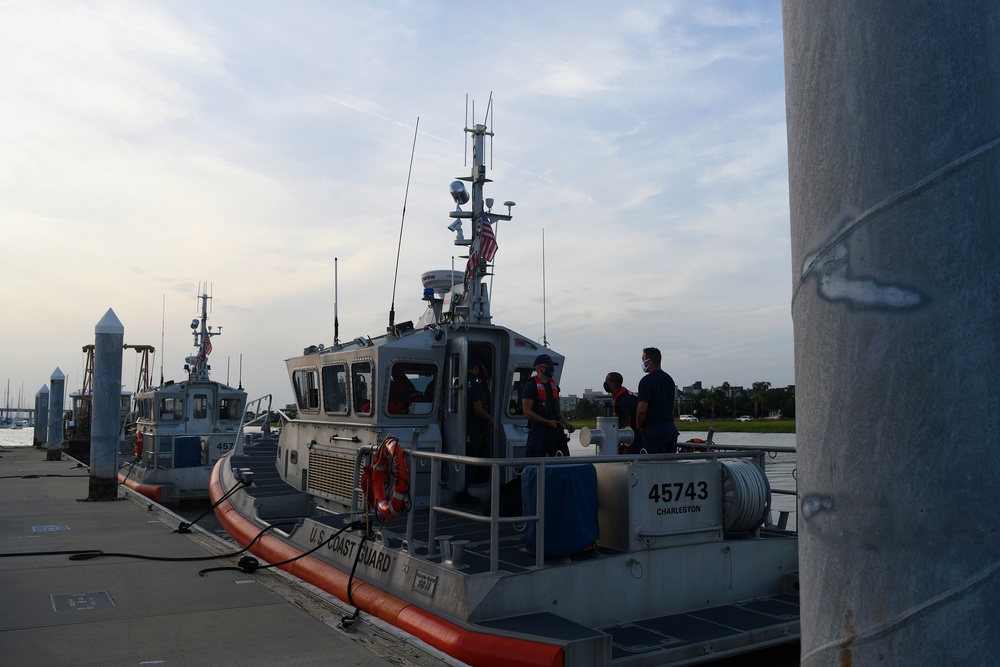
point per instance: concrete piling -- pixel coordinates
(41, 416)
(893, 161)
(57, 398)
(108, 340)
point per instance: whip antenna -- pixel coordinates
(545, 340)
(399, 245)
(336, 322)
(163, 334)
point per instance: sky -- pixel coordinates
(149, 148)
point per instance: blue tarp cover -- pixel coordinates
(187, 451)
(570, 508)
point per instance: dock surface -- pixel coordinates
(122, 610)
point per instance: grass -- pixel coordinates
(722, 425)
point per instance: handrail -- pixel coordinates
(496, 466)
(257, 402)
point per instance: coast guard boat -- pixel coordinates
(583, 560)
(183, 428)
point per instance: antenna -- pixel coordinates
(465, 148)
(163, 319)
(545, 340)
(399, 245)
(336, 322)
(241, 371)
(486, 121)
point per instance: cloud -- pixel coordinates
(152, 146)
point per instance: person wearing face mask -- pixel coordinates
(540, 404)
(624, 403)
(654, 416)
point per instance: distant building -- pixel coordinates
(568, 403)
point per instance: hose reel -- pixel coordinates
(746, 496)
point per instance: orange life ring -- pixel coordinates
(389, 468)
(137, 444)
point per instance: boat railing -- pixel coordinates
(254, 407)
(420, 459)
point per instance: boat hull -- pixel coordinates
(470, 646)
(656, 605)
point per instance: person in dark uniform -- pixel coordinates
(540, 404)
(476, 419)
(624, 403)
(654, 416)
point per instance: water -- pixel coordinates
(16, 437)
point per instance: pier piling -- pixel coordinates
(57, 397)
(41, 417)
(893, 162)
(109, 335)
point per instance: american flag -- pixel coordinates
(485, 246)
(487, 240)
(206, 349)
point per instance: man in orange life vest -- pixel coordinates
(540, 404)
(624, 403)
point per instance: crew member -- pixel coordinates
(476, 418)
(540, 404)
(654, 416)
(624, 403)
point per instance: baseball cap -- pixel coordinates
(544, 359)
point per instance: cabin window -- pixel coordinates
(230, 408)
(171, 408)
(306, 389)
(518, 378)
(361, 386)
(411, 388)
(199, 406)
(335, 389)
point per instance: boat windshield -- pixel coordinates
(411, 388)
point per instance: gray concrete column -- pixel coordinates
(41, 416)
(106, 416)
(894, 158)
(57, 398)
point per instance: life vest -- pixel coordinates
(388, 470)
(137, 444)
(622, 390)
(544, 398)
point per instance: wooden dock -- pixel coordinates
(143, 601)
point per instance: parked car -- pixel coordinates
(744, 418)
(687, 418)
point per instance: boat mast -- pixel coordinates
(475, 308)
(198, 364)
